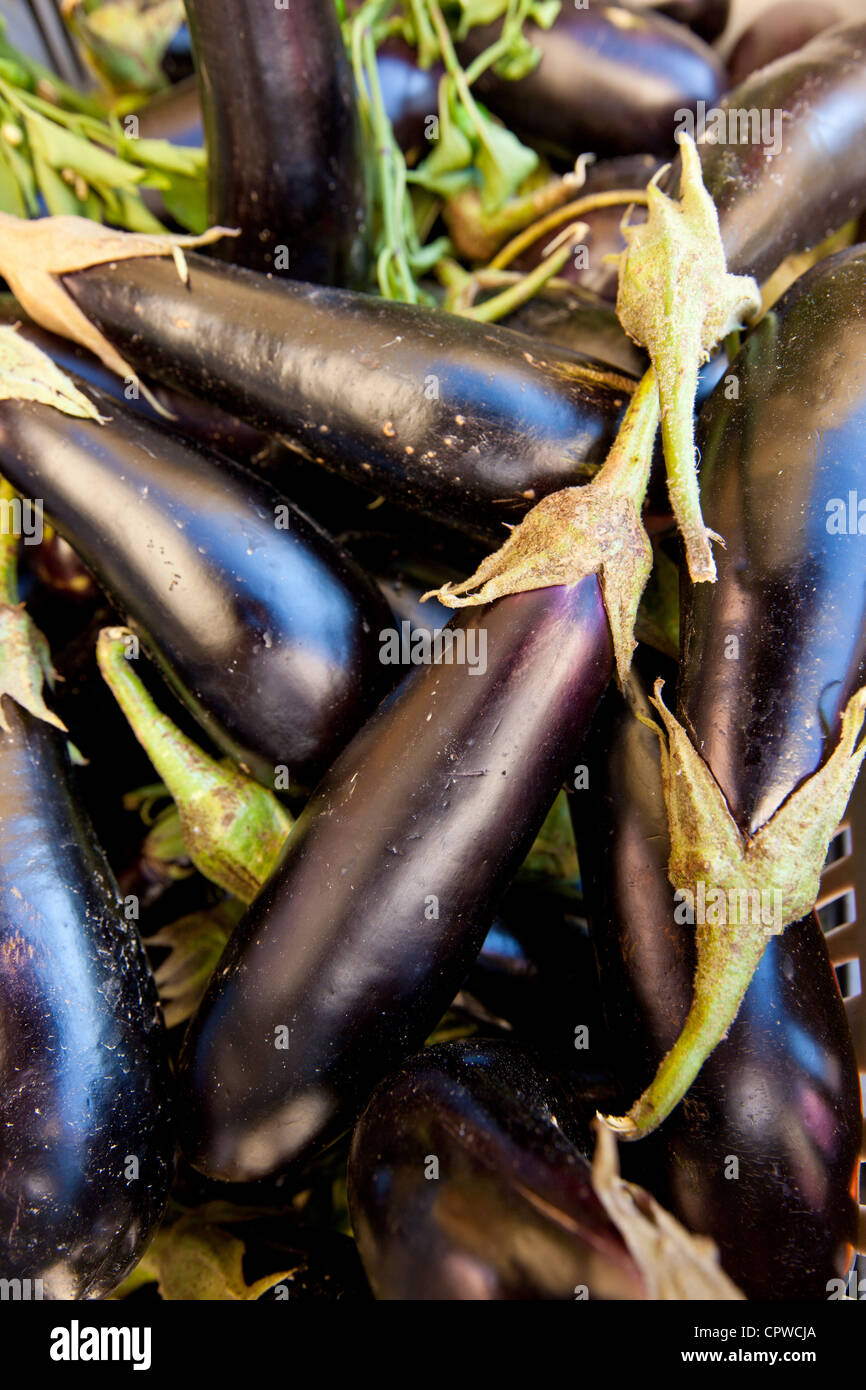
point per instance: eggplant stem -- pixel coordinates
(728, 957)
(627, 197)
(678, 438)
(8, 549)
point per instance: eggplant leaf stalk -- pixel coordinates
(233, 828)
(25, 660)
(579, 531)
(677, 299)
(747, 888)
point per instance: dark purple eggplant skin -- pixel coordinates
(771, 205)
(282, 136)
(512, 1214)
(268, 636)
(463, 421)
(776, 32)
(780, 1094)
(84, 1078)
(789, 589)
(409, 94)
(431, 808)
(610, 80)
(708, 18)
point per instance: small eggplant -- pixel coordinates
(776, 32)
(463, 1185)
(389, 882)
(268, 635)
(466, 422)
(86, 1142)
(282, 136)
(761, 1153)
(611, 79)
(86, 1151)
(788, 191)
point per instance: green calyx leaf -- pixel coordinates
(739, 889)
(196, 1260)
(579, 531)
(194, 944)
(677, 299)
(25, 665)
(233, 829)
(28, 374)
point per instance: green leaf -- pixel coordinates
(64, 150)
(162, 154)
(195, 944)
(60, 200)
(503, 163)
(196, 1261)
(554, 853)
(135, 216)
(186, 201)
(22, 171)
(11, 197)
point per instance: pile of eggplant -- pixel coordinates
(342, 928)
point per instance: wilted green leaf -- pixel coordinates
(554, 853)
(195, 1261)
(503, 163)
(195, 944)
(11, 197)
(64, 150)
(186, 201)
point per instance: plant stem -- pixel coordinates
(579, 208)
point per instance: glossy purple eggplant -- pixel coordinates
(283, 138)
(389, 882)
(611, 80)
(265, 629)
(86, 1140)
(776, 32)
(510, 1213)
(762, 1152)
(806, 176)
(464, 421)
(771, 654)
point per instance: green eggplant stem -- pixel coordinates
(8, 550)
(233, 829)
(728, 957)
(678, 438)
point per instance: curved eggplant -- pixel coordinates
(464, 421)
(611, 79)
(806, 176)
(761, 1153)
(771, 654)
(509, 1213)
(86, 1143)
(389, 881)
(268, 635)
(282, 136)
(776, 32)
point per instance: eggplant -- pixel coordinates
(789, 191)
(762, 1153)
(410, 95)
(778, 31)
(771, 654)
(463, 421)
(282, 136)
(708, 18)
(388, 883)
(269, 636)
(509, 1211)
(610, 79)
(86, 1136)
